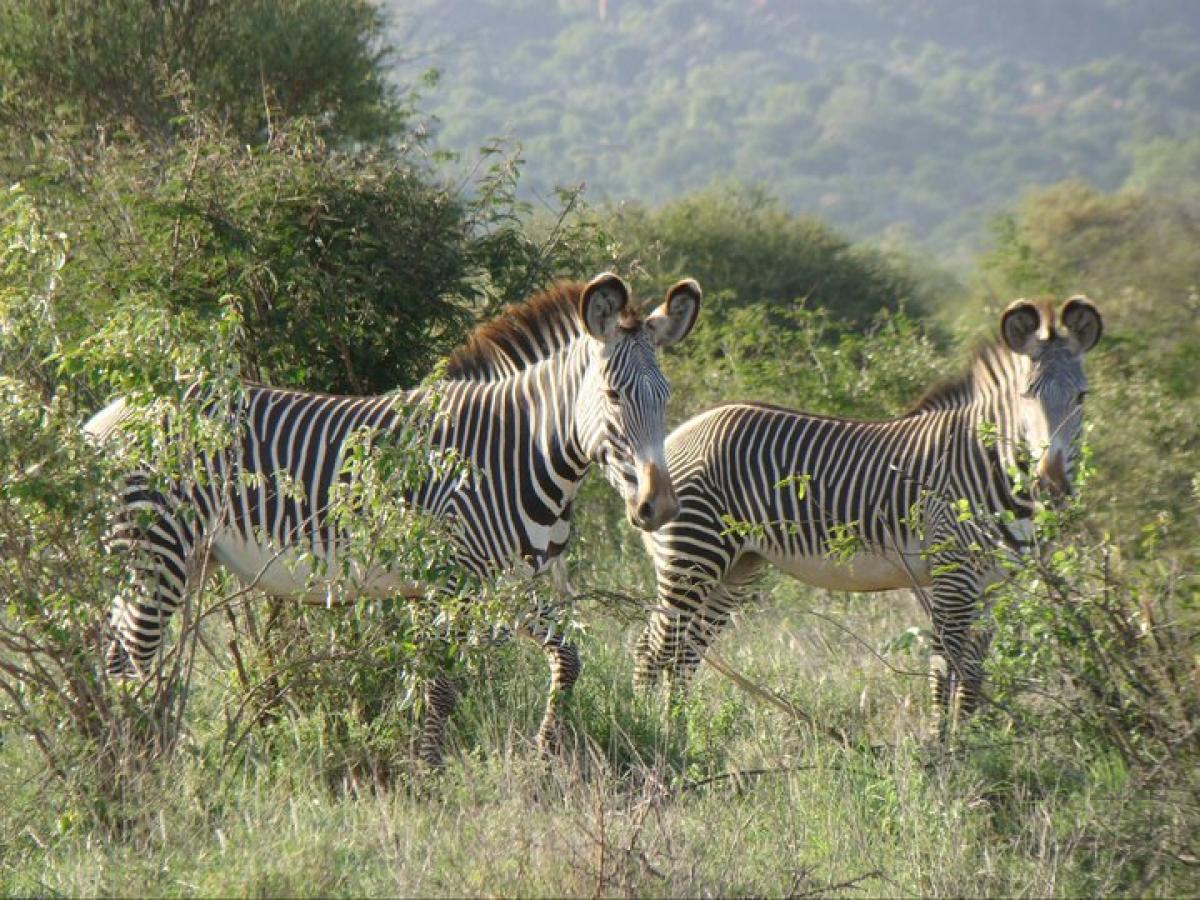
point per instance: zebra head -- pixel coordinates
(622, 405)
(1051, 399)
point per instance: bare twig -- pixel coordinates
(769, 697)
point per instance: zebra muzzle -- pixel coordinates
(655, 503)
(1052, 480)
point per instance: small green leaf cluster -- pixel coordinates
(1094, 640)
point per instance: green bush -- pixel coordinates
(746, 244)
(108, 65)
(350, 267)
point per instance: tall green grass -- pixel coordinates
(730, 798)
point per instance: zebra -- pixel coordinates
(924, 500)
(529, 402)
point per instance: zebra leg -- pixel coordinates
(940, 681)
(941, 687)
(160, 542)
(440, 700)
(645, 670)
(663, 644)
(659, 647)
(955, 689)
(565, 665)
(711, 617)
(968, 688)
(702, 630)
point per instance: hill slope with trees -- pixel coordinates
(919, 116)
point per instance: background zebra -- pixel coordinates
(921, 500)
(529, 402)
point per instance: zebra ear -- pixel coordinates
(1081, 318)
(1020, 325)
(672, 321)
(601, 303)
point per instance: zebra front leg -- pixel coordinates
(565, 666)
(662, 647)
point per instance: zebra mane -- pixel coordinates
(521, 335)
(989, 363)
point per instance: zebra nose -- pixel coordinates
(655, 504)
(1052, 476)
(650, 516)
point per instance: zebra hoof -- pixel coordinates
(431, 760)
(645, 683)
(550, 742)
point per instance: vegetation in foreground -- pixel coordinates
(739, 799)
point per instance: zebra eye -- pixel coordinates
(613, 395)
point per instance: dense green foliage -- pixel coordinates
(274, 755)
(283, 228)
(749, 246)
(921, 115)
(106, 64)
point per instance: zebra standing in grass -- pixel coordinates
(919, 500)
(532, 399)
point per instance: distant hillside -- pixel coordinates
(918, 115)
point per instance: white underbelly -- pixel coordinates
(863, 572)
(292, 573)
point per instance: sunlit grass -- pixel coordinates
(730, 798)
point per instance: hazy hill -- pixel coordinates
(917, 115)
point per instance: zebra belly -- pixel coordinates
(290, 572)
(864, 572)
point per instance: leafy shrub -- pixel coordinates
(107, 64)
(746, 245)
(1094, 664)
(347, 265)
(53, 515)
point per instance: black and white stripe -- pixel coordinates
(922, 500)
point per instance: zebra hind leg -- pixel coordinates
(968, 686)
(441, 697)
(646, 669)
(956, 669)
(941, 686)
(660, 651)
(161, 554)
(711, 617)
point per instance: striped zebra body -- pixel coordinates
(922, 501)
(528, 405)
